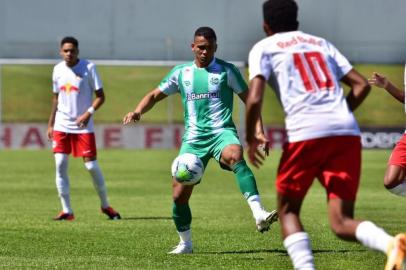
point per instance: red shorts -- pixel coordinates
(335, 161)
(398, 156)
(81, 145)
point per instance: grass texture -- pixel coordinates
(139, 186)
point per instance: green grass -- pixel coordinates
(140, 188)
(27, 96)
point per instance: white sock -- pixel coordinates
(257, 209)
(399, 190)
(62, 181)
(300, 251)
(98, 181)
(185, 236)
(368, 234)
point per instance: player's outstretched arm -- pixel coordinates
(359, 88)
(146, 103)
(381, 81)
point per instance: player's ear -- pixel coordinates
(267, 29)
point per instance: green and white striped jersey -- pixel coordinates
(207, 96)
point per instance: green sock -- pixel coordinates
(245, 179)
(182, 216)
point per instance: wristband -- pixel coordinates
(91, 110)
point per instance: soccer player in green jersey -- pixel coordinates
(207, 86)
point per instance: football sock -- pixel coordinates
(256, 207)
(185, 236)
(62, 181)
(368, 234)
(98, 181)
(300, 251)
(399, 190)
(182, 216)
(245, 179)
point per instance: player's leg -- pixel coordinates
(297, 169)
(85, 146)
(366, 233)
(295, 239)
(341, 214)
(61, 149)
(182, 217)
(340, 177)
(232, 157)
(395, 175)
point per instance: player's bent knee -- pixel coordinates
(91, 165)
(390, 181)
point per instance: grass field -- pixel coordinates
(223, 230)
(27, 95)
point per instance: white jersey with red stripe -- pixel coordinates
(304, 71)
(75, 87)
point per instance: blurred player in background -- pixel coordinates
(70, 125)
(323, 136)
(395, 175)
(207, 86)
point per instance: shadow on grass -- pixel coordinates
(146, 218)
(281, 251)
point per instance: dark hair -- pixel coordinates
(71, 40)
(206, 32)
(281, 15)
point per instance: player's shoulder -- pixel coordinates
(59, 65)
(224, 63)
(86, 63)
(227, 66)
(178, 69)
(182, 66)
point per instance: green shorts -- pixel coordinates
(212, 146)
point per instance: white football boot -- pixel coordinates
(266, 220)
(182, 248)
(397, 253)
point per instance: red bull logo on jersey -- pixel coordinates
(193, 96)
(68, 88)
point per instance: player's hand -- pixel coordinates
(255, 155)
(50, 133)
(82, 120)
(378, 80)
(131, 117)
(263, 143)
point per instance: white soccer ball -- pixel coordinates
(187, 169)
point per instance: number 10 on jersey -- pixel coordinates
(314, 71)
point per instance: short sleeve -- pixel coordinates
(55, 88)
(342, 63)
(235, 80)
(95, 80)
(170, 83)
(259, 63)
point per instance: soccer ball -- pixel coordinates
(187, 169)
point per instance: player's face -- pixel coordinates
(69, 54)
(204, 50)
